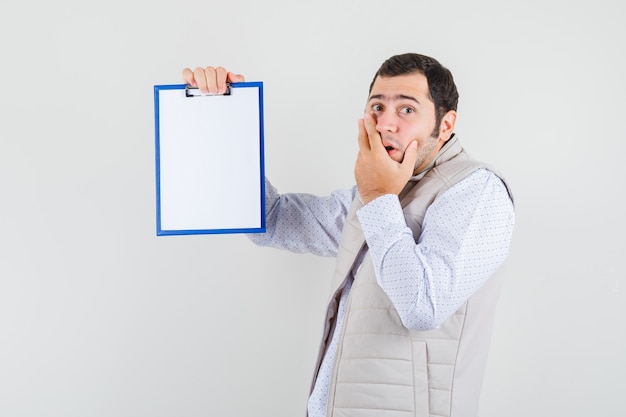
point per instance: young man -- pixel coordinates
(417, 243)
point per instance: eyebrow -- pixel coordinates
(393, 98)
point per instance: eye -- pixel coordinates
(407, 110)
(377, 107)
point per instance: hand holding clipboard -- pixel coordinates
(211, 80)
(209, 154)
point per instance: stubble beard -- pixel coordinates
(426, 151)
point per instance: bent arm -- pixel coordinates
(465, 237)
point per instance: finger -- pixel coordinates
(211, 80)
(410, 156)
(375, 141)
(188, 77)
(236, 78)
(201, 81)
(364, 143)
(220, 79)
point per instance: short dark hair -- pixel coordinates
(442, 89)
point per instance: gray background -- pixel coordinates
(99, 317)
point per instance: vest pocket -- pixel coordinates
(420, 378)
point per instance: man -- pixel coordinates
(418, 241)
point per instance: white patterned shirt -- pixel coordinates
(465, 237)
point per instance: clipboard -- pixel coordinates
(209, 160)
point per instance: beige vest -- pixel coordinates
(382, 368)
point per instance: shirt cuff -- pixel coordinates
(382, 221)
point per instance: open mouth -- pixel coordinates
(389, 146)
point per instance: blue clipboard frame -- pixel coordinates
(164, 231)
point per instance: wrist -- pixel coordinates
(368, 197)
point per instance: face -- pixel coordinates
(403, 113)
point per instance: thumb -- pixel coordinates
(410, 156)
(235, 78)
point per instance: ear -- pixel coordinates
(446, 127)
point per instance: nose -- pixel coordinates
(386, 122)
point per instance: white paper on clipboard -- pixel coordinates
(209, 160)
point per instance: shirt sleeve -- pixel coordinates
(465, 237)
(304, 223)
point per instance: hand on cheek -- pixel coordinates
(375, 172)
